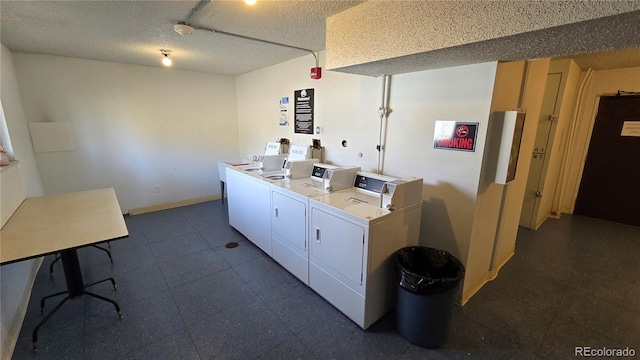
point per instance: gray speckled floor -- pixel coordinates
(574, 282)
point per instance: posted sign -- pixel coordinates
(454, 135)
(303, 108)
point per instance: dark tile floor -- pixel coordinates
(574, 282)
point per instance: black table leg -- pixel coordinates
(75, 289)
(57, 257)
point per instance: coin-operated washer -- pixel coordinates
(289, 209)
(297, 164)
(249, 197)
(271, 151)
(352, 235)
(249, 200)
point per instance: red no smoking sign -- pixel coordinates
(454, 135)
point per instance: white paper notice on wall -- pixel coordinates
(51, 136)
(630, 128)
(284, 111)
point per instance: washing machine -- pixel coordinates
(271, 148)
(249, 204)
(249, 198)
(289, 203)
(296, 164)
(352, 235)
(249, 191)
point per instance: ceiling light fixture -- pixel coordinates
(250, 2)
(165, 60)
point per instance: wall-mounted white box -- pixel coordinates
(505, 136)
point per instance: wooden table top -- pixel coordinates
(47, 224)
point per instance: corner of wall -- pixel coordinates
(17, 279)
(497, 212)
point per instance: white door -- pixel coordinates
(336, 245)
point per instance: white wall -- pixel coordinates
(601, 83)
(12, 104)
(450, 177)
(15, 279)
(347, 105)
(134, 127)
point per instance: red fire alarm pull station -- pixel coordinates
(316, 72)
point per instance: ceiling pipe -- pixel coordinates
(254, 39)
(194, 11)
(185, 28)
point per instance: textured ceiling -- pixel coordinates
(451, 33)
(133, 31)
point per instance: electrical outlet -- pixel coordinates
(156, 189)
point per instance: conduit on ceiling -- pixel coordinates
(185, 28)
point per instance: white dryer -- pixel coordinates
(289, 202)
(352, 235)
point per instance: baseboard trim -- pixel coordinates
(172, 205)
(16, 326)
(488, 276)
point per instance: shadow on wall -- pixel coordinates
(447, 218)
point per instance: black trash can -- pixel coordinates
(429, 281)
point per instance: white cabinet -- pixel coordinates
(289, 234)
(249, 206)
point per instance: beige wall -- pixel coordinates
(558, 145)
(535, 82)
(497, 212)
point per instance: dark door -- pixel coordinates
(610, 186)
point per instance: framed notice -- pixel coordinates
(303, 111)
(454, 135)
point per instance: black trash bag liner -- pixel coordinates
(425, 270)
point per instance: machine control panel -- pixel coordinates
(318, 172)
(368, 183)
